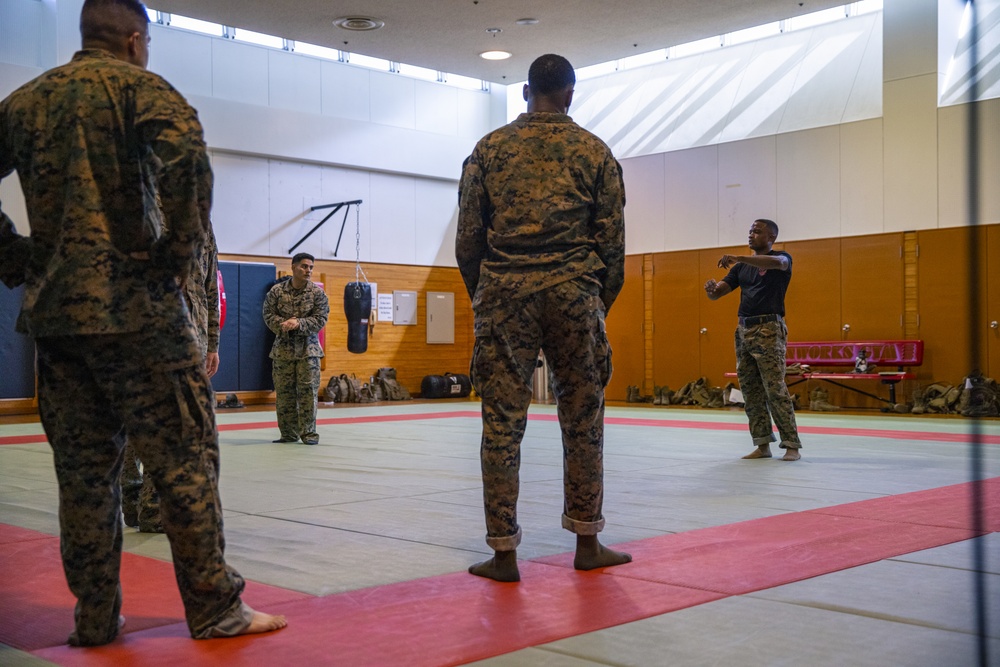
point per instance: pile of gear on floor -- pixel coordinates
(975, 396)
(383, 386)
(699, 392)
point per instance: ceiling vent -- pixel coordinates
(358, 23)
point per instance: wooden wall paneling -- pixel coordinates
(812, 303)
(626, 332)
(991, 332)
(871, 286)
(943, 295)
(404, 348)
(717, 346)
(676, 296)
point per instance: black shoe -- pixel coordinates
(310, 441)
(285, 440)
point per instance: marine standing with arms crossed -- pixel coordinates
(541, 248)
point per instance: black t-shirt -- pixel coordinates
(761, 292)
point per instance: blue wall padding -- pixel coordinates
(17, 352)
(228, 377)
(255, 337)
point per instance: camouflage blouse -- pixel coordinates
(540, 202)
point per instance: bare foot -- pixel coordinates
(762, 452)
(591, 554)
(502, 567)
(264, 623)
(791, 455)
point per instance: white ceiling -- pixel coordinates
(449, 35)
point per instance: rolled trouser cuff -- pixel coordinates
(787, 444)
(232, 624)
(506, 543)
(764, 440)
(582, 527)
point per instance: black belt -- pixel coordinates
(758, 319)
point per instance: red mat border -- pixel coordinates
(891, 434)
(456, 618)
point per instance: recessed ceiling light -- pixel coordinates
(495, 55)
(358, 23)
(526, 21)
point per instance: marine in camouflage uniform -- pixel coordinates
(140, 504)
(92, 142)
(296, 310)
(761, 338)
(541, 248)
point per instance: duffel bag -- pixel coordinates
(449, 385)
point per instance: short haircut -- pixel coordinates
(107, 21)
(550, 74)
(301, 256)
(771, 225)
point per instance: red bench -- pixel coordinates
(891, 358)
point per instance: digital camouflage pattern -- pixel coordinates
(201, 291)
(760, 366)
(117, 182)
(541, 202)
(296, 355)
(541, 248)
(108, 129)
(296, 388)
(310, 306)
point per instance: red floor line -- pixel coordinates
(454, 619)
(933, 436)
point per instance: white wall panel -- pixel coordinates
(436, 220)
(747, 187)
(293, 188)
(182, 58)
(279, 133)
(826, 76)
(644, 200)
(436, 108)
(13, 77)
(341, 185)
(767, 82)
(240, 204)
(691, 187)
(701, 115)
(393, 100)
(239, 72)
(393, 219)
(865, 100)
(13, 203)
(808, 170)
(910, 158)
(294, 82)
(346, 91)
(473, 114)
(953, 165)
(910, 38)
(21, 27)
(861, 199)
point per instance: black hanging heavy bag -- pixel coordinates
(357, 308)
(449, 385)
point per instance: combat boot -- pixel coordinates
(819, 400)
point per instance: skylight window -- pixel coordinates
(258, 38)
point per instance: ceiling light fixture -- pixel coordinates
(495, 55)
(358, 23)
(526, 21)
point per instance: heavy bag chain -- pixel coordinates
(359, 273)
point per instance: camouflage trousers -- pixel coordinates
(760, 366)
(88, 387)
(296, 388)
(567, 323)
(140, 504)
